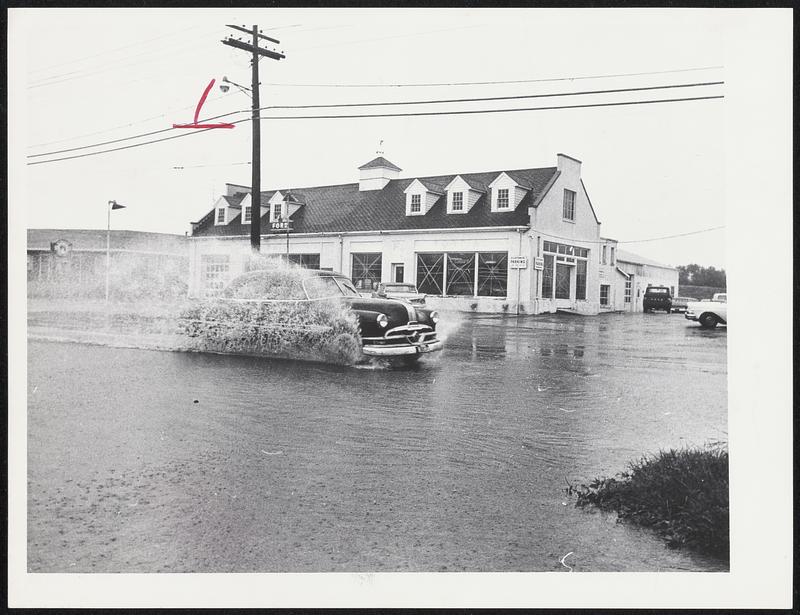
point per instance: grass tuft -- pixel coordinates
(682, 494)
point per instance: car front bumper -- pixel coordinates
(401, 350)
(690, 315)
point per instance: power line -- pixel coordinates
(495, 98)
(120, 140)
(107, 51)
(705, 230)
(460, 83)
(476, 111)
(133, 123)
(605, 241)
(373, 115)
(116, 149)
(399, 103)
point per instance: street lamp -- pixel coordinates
(111, 205)
(224, 87)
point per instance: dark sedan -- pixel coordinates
(293, 307)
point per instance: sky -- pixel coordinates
(651, 170)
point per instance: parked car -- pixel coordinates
(657, 298)
(709, 313)
(679, 304)
(284, 309)
(401, 291)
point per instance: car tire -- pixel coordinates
(708, 321)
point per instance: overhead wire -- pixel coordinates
(603, 241)
(374, 115)
(401, 103)
(496, 82)
(129, 124)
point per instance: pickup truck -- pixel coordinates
(709, 313)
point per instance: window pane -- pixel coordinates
(367, 270)
(430, 273)
(221, 214)
(502, 198)
(215, 273)
(547, 276)
(604, 294)
(580, 280)
(458, 201)
(563, 275)
(461, 273)
(493, 274)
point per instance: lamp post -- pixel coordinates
(111, 205)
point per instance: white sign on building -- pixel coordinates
(518, 262)
(538, 263)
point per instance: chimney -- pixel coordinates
(376, 174)
(568, 165)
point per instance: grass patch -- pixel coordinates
(682, 494)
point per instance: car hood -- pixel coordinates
(396, 311)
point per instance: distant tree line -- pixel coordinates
(697, 275)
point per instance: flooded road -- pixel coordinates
(148, 461)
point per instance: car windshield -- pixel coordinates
(657, 291)
(400, 288)
(320, 287)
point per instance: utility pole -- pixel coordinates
(255, 189)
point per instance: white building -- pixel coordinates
(517, 241)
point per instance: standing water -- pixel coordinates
(146, 461)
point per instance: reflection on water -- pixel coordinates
(145, 461)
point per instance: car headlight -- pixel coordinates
(382, 320)
(434, 317)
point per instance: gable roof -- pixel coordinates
(379, 163)
(344, 208)
(630, 257)
(235, 200)
(428, 185)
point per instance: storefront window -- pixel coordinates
(309, 261)
(367, 270)
(458, 277)
(430, 273)
(493, 274)
(460, 273)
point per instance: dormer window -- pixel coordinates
(458, 201)
(221, 215)
(502, 198)
(247, 214)
(416, 203)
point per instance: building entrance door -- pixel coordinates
(563, 285)
(398, 270)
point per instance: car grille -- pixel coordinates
(411, 333)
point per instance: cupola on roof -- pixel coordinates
(379, 163)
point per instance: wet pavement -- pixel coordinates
(147, 461)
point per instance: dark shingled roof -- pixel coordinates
(379, 162)
(343, 208)
(236, 199)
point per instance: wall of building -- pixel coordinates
(396, 248)
(548, 224)
(649, 275)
